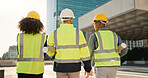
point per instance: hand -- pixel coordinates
(91, 73)
(86, 74)
(51, 49)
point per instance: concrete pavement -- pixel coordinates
(123, 72)
(133, 71)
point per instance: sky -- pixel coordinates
(11, 12)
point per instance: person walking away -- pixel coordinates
(30, 62)
(103, 45)
(71, 48)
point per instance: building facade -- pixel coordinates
(79, 7)
(12, 53)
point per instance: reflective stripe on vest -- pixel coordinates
(69, 46)
(40, 59)
(71, 60)
(106, 51)
(68, 60)
(85, 59)
(107, 59)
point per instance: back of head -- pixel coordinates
(66, 15)
(100, 17)
(31, 24)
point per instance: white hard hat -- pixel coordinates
(67, 13)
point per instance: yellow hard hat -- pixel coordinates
(33, 14)
(101, 17)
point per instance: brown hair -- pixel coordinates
(30, 26)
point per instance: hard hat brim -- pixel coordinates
(68, 17)
(93, 21)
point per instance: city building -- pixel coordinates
(79, 7)
(12, 53)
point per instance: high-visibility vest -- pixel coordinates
(70, 45)
(106, 54)
(30, 56)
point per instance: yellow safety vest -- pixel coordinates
(106, 54)
(70, 45)
(30, 55)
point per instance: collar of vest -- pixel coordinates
(66, 25)
(102, 29)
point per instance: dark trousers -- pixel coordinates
(21, 75)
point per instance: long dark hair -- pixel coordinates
(30, 26)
